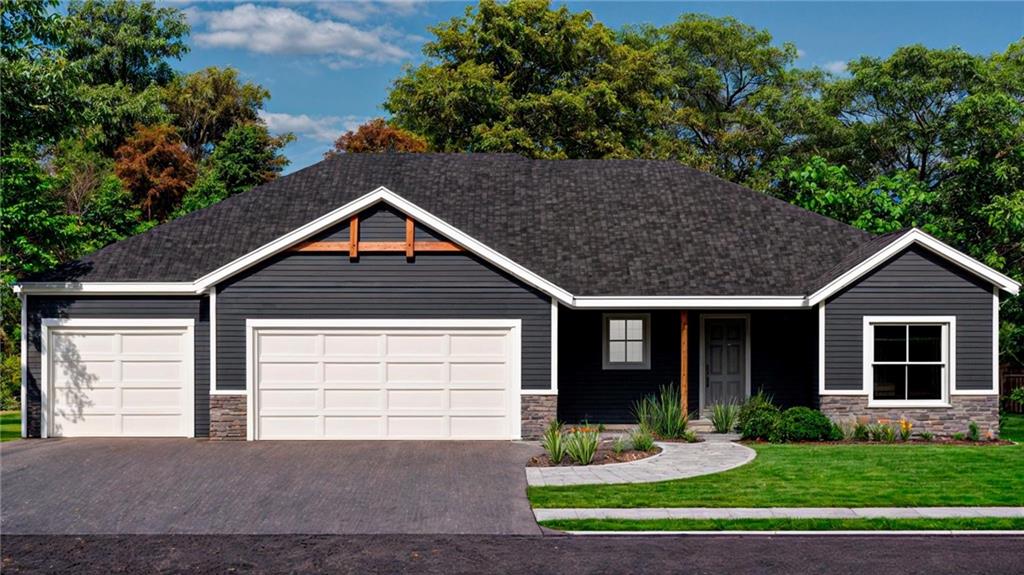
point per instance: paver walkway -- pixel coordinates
(715, 454)
(779, 513)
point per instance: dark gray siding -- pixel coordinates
(783, 358)
(915, 282)
(330, 286)
(122, 308)
(380, 223)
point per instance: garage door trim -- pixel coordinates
(514, 327)
(48, 325)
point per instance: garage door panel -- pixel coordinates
(400, 383)
(355, 345)
(288, 373)
(414, 372)
(105, 380)
(145, 343)
(288, 345)
(354, 427)
(354, 399)
(274, 399)
(357, 373)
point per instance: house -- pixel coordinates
(480, 296)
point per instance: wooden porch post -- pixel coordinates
(684, 360)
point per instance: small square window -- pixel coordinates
(627, 341)
(908, 361)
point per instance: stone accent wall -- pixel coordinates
(942, 421)
(227, 417)
(538, 412)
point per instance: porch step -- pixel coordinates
(701, 425)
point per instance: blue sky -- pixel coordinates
(328, 65)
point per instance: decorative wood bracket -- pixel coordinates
(354, 247)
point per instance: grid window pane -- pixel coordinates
(635, 329)
(890, 381)
(635, 351)
(617, 351)
(617, 329)
(924, 381)
(925, 343)
(890, 343)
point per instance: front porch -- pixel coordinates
(719, 355)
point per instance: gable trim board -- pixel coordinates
(514, 354)
(50, 325)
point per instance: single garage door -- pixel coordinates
(386, 383)
(118, 379)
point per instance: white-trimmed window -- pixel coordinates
(627, 341)
(909, 361)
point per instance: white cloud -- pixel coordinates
(836, 66)
(320, 129)
(361, 10)
(277, 30)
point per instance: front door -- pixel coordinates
(725, 361)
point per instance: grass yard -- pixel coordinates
(1011, 426)
(827, 476)
(978, 523)
(10, 425)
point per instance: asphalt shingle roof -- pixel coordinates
(592, 227)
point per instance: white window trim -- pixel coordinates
(48, 324)
(24, 364)
(702, 375)
(609, 366)
(948, 350)
(514, 326)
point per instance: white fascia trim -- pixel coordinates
(382, 194)
(299, 323)
(554, 347)
(995, 340)
(916, 236)
(114, 322)
(691, 302)
(109, 288)
(24, 364)
(821, 348)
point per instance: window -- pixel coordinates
(907, 360)
(627, 341)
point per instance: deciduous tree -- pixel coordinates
(156, 169)
(377, 136)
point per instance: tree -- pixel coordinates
(378, 136)
(206, 104)
(737, 104)
(246, 157)
(520, 77)
(38, 102)
(127, 43)
(156, 169)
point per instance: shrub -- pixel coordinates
(905, 429)
(723, 417)
(1017, 395)
(958, 436)
(690, 436)
(926, 435)
(662, 414)
(553, 442)
(972, 432)
(861, 432)
(886, 433)
(757, 417)
(802, 424)
(837, 433)
(642, 440)
(620, 444)
(581, 445)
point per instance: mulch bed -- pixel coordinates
(936, 441)
(602, 457)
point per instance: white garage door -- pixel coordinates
(118, 380)
(386, 383)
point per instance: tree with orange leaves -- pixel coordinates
(156, 168)
(378, 136)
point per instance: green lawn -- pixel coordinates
(986, 523)
(10, 425)
(1011, 427)
(827, 476)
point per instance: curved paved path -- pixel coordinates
(715, 454)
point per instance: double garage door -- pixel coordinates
(388, 381)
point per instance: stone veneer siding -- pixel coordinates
(943, 421)
(538, 412)
(227, 417)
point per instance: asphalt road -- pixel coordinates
(454, 554)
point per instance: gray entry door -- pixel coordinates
(725, 361)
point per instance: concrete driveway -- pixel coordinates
(149, 486)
